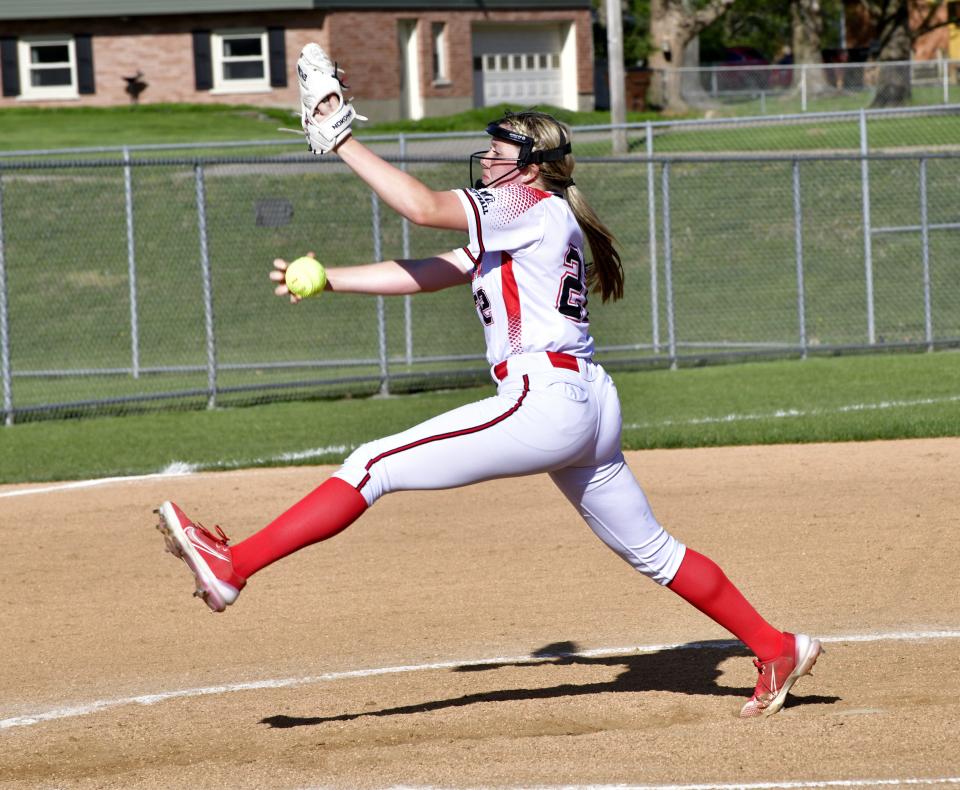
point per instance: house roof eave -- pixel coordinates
(97, 9)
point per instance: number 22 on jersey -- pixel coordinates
(572, 296)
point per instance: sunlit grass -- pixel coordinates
(827, 399)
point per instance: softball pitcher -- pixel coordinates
(555, 410)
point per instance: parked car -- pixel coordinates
(745, 69)
(742, 57)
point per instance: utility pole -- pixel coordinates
(616, 75)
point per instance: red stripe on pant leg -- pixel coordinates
(448, 435)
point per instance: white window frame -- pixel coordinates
(31, 92)
(223, 85)
(438, 37)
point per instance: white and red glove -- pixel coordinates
(319, 80)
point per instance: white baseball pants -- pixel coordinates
(542, 419)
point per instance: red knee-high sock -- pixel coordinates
(321, 514)
(701, 582)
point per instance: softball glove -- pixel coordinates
(318, 77)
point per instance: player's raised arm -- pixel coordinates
(405, 194)
(327, 120)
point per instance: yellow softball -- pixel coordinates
(305, 277)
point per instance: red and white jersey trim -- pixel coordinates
(529, 281)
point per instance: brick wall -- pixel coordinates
(162, 48)
(364, 42)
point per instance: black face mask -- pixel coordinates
(527, 155)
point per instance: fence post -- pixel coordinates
(405, 229)
(5, 370)
(925, 243)
(131, 266)
(381, 307)
(803, 87)
(798, 249)
(207, 289)
(945, 77)
(652, 237)
(668, 265)
(867, 227)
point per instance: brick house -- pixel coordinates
(405, 58)
(942, 42)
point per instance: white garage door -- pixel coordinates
(519, 64)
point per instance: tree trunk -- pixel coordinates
(666, 54)
(673, 25)
(806, 21)
(893, 81)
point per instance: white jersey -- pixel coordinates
(529, 277)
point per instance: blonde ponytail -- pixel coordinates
(606, 271)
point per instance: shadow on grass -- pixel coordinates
(687, 669)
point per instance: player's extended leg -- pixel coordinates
(615, 507)
(533, 423)
(513, 433)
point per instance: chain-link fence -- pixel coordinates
(788, 88)
(127, 283)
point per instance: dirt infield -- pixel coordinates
(484, 638)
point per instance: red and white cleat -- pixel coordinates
(206, 554)
(778, 675)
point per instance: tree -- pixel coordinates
(806, 23)
(893, 42)
(770, 26)
(767, 26)
(673, 25)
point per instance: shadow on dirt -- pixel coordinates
(687, 669)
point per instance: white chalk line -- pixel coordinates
(183, 469)
(788, 785)
(76, 484)
(781, 414)
(277, 683)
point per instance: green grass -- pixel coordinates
(34, 128)
(826, 399)
(830, 101)
(478, 118)
(38, 128)
(821, 399)
(824, 134)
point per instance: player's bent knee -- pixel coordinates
(362, 471)
(662, 563)
(658, 557)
